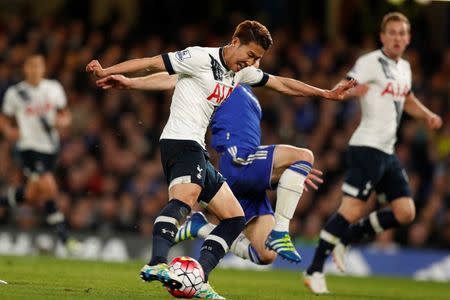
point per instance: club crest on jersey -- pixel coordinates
(182, 55)
(220, 93)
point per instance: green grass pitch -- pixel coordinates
(50, 278)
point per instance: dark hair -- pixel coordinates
(394, 16)
(253, 31)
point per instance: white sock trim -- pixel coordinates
(11, 194)
(240, 247)
(328, 237)
(166, 219)
(55, 218)
(373, 218)
(219, 240)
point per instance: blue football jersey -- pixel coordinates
(237, 121)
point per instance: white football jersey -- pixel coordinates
(204, 82)
(34, 108)
(389, 83)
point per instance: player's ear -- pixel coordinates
(235, 42)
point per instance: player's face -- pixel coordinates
(244, 55)
(34, 69)
(395, 38)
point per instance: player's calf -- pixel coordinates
(165, 229)
(218, 242)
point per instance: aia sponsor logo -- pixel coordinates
(40, 109)
(219, 94)
(397, 91)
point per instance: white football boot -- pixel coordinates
(316, 283)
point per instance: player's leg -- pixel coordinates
(184, 165)
(15, 196)
(256, 233)
(394, 189)
(350, 210)
(365, 168)
(253, 249)
(54, 217)
(231, 223)
(225, 206)
(29, 190)
(291, 166)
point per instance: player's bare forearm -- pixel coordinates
(151, 65)
(298, 88)
(155, 82)
(292, 87)
(357, 91)
(416, 109)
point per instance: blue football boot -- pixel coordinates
(281, 243)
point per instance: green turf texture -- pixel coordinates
(43, 277)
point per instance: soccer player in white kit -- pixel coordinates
(33, 112)
(385, 91)
(207, 76)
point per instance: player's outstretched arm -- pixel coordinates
(357, 91)
(151, 65)
(416, 109)
(155, 82)
(297, 88)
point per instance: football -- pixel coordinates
(191, 275)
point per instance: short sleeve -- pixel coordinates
(362, 71)
(9, 106)
(187, 61)
(59, 96)
(253, 76)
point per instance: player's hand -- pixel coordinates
(96, 68)
(341, 91)
(116, 81)
(314, 177)
(434, 121)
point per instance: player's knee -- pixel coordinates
(405, 215)
(305, 155)
(47, 188)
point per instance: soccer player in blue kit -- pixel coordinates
(206, 77)
(250, 170)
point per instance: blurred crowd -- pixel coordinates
(109, 169)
